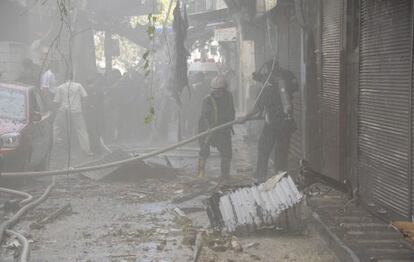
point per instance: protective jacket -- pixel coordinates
(216, 111)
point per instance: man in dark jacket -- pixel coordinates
(275, 101)
(217, 109)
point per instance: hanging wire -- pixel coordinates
(273, 52)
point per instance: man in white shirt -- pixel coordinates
(48, 85)
(69, 98)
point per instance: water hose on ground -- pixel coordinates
(22, 211)
(27, 197)
(24, 253)
(125, 161)
(12, 221)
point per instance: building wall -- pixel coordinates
(358, 96)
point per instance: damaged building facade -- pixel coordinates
(354, 60)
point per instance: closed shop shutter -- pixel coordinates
(294, 65)
(331, 44)
(411, 173)
(384, 104)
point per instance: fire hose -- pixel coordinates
(27, 197)
(125, 161)
(12, 221)
(24, 254)
(22, 211)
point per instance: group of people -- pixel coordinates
(72, 102)
(274, 103)
(102, 106)
(67, 101)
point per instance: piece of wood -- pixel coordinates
(50, 218)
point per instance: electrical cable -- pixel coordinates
(265, 84)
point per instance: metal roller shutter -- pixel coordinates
(331, 45)
(384, 104)
(294, 66)
(411, 173)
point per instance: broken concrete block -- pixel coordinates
(250, 208)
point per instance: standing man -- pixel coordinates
(48, 84)
(217, 109)
(69, 97)
(275, 101)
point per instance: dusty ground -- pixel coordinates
(136, 221)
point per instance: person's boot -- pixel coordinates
(201, 168)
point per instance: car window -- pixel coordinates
(12, 104)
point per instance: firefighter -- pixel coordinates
(217, 109)
(275, 102)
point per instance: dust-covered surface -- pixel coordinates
(135, 220)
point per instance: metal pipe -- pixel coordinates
(22, 211)
(24, 254)
(125, 161)
(27, 197)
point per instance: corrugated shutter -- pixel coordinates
(294, 65)
(411, 174)
(384, 104)
(331, 45)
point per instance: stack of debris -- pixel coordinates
(277, 203)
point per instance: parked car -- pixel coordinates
(26, 128)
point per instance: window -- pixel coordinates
(12, 104)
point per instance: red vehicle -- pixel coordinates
(26, 128)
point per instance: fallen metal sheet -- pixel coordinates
(252, 208)
(102, 173)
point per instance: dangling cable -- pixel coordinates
(274, 56)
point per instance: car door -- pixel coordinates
(41, 130)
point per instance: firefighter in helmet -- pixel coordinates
(217, 109)
(275, 103)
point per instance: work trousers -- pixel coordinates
(273, 137)
(221, 141)
(77, 124)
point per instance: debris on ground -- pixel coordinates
(67, 208)
(131, 171)
(250, 208)
(251, 245)
(406, 228)
(235, 244)
(200, 187)
(198, 246)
